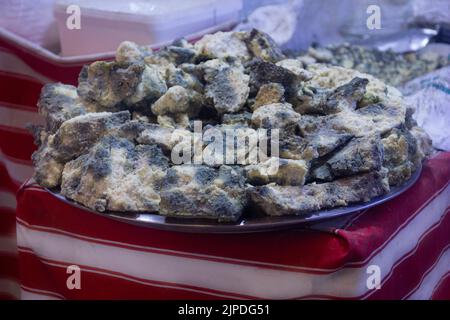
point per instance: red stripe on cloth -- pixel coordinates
(19, 90)
(28, 293)
(64, 72)
(124, 235)
(384, 221)
(88, 240)
(442, 290)
(52, 276)
(17, 171)
(19, 145)
(318, 252)
(355, 220)
(7, 296)
(17, 118)
(29, 108)
(149, 233)
(9, 266)
(408, 273)
(37, 275)
(21, 77)
(6, 182)
(155, 249)
(427, 285)
(7, 221)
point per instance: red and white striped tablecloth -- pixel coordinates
(24, 68)
(407, 238)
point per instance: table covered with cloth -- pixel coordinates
(24, 69)
(404, 242)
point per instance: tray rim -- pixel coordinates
(253, 225)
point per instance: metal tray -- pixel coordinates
(246, 224)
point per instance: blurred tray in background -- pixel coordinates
(105, 24)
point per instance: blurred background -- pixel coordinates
(295, 24)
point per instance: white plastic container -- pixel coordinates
(106, 23)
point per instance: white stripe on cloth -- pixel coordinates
(11, 63)
(403, 225)
(424, 290)
(163, 250)
(8, 245)
(230, 277)
(10, 287)
(411, 253)
(130, 279)
(7, 200)
(28, 293)
(438, 285)
(36, 188)
(15, 118)
(17, 169)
